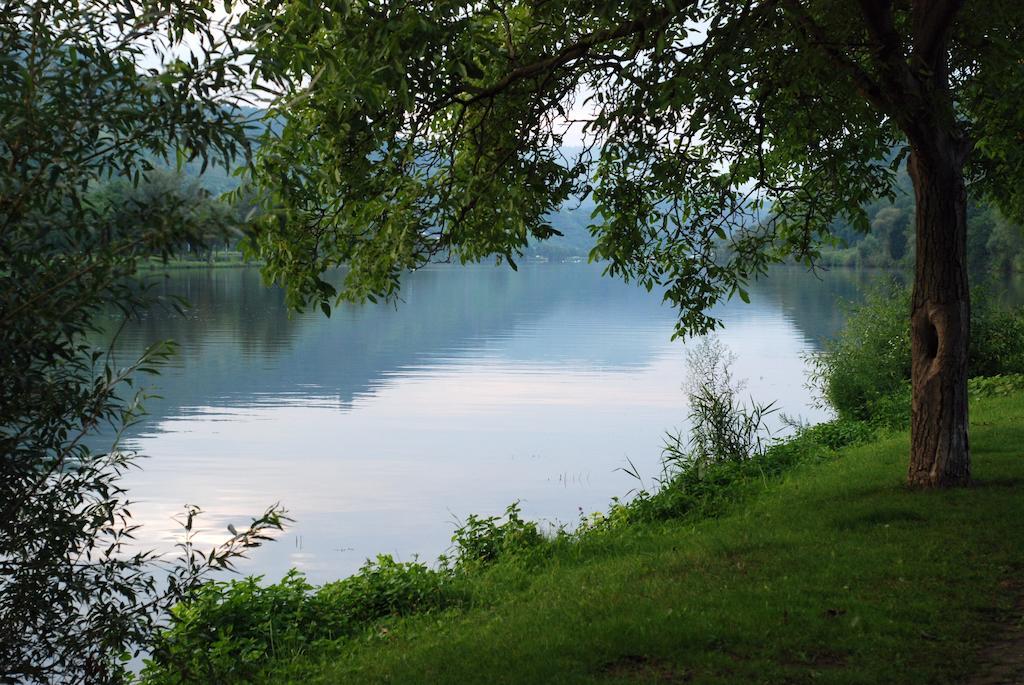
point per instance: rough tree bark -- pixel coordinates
(940, 318)
(911, 85)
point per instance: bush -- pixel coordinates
(228, 632)
(481, 541)
(891, 411)
(996, 386)
(870, 358)
(385, 587)
(997, 337)
(729, 443)
(864, 372)
(836, 434)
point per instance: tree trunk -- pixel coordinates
(940, 319)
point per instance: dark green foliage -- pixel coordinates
(227, 632)
(165, 201)
(870, 358)
(864, 372)
(481, 541)
(385, 587)
(81, 114)
(440, 130)
(835, 434)
(996, 386)
(997, 337)
(891, 410)
(995, 244)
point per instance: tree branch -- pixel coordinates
(574, 51)
(898, 79)
(879, 20)
(932, 21)
(862, 80)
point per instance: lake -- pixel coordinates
(382, 427)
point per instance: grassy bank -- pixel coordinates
(831, 572)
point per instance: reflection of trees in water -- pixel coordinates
(239, 345)
(226, 303)
(813, 301)
(814, 304)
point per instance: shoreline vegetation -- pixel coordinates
(884, 241)
(215, 260)
(130, 133)
(748, 560)
(809, 562)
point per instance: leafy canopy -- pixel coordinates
(87, 112)
(715, 136)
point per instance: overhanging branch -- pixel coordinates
(862, 80)
(575, 51)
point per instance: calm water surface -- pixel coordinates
(381, 427)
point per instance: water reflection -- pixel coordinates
(380, 427)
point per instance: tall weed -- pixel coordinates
(722, 428)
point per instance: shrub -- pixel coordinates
(996, 386)
(385, 587)
(91, 92)
(870, 358)
(484, 540)
(864, 372)
(228, 632)
(836, 434)
(729, 443)
(891, 411)
(997, 337)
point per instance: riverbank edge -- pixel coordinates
(525, 604)
(899, 610)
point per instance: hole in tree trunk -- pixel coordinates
(930, 337)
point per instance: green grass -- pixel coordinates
(833, 574)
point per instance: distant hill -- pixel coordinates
(576, 241)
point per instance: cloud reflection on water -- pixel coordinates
(379, 427)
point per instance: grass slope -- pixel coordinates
(835, 574)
